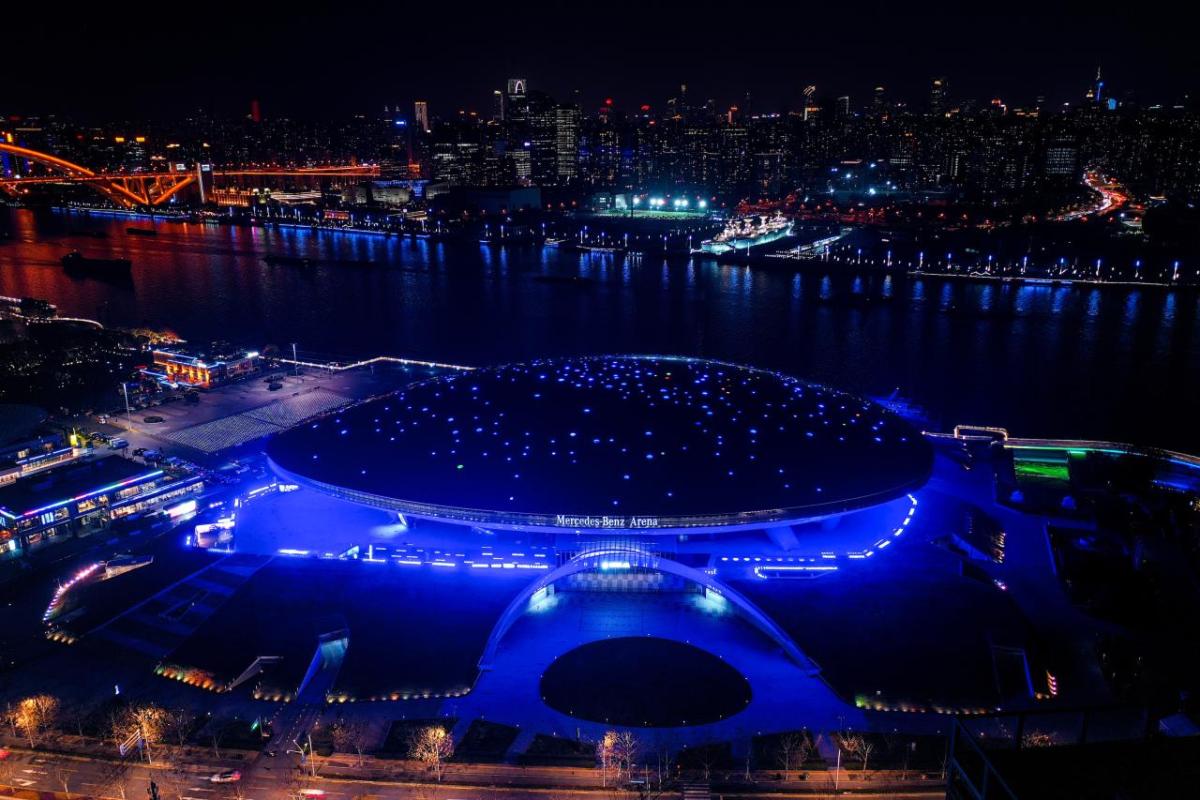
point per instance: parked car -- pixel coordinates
(118, 444)
(274, 387)
(153, 419)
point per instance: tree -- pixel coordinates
(431, 745)
(349, 735)
(145, 722)
(116, 778)
(792, 748)
(175, 781)
(216, 731)
(606, 754)
(618, 752)
(628, 749)
(865, 749)
(34, 715)
(858, 745)
(179, 723)
(76, 716)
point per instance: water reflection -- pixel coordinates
(1027, 357)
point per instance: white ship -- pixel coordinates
(742, 233)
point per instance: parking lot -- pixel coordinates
(183, 431)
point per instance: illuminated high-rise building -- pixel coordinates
(937, 97)
(421, 115)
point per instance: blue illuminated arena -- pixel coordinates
(641, 443)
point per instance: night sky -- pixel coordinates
(141, 60)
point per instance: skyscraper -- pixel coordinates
(879, 102)
(421, 115)
(937, 97)
(566, 142)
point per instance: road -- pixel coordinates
(280, 778)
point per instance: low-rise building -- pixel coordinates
(84, 497)
(203, 369)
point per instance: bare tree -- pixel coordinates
(12, 715)
(349, 735)
(791, 748)
(864, 750)
(857, 745)
(216, 731)
(431, 745)
(76, 715)
(116, 778)
(627, 750)
(706, 761)
(179, 723)
(176, 781)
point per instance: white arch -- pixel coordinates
(592, 559)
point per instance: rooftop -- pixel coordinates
(621, 442)
(52, 488)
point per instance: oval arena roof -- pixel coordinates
(616, 442)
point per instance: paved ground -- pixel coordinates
(782, 692)
(226, 402)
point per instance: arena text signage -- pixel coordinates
(589, 521)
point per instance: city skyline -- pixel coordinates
(314, 64)
(624, 402)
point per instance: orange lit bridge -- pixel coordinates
(137, 189)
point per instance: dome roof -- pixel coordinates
(611, 442)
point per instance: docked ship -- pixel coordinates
(742, 233)
(78, 262)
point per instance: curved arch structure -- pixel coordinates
(596, 559)
(134, 190)
(130, 191)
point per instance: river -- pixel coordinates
(1083, 361)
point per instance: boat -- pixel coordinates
(76, 260)
(141, 231)
(742, 233)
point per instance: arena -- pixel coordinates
(652, 445)
(528, 543)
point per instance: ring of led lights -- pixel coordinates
(646, 443)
